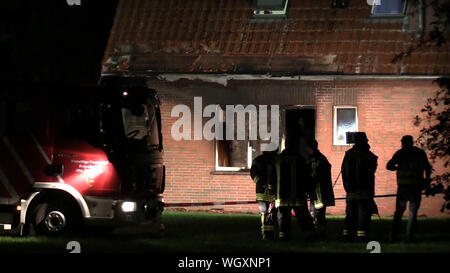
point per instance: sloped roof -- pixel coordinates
(220, 36)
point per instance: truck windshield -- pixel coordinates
(140, 122)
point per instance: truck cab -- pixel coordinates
(74, 157)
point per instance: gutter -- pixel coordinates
(223, 79)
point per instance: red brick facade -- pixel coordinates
(220, 39)
(386, 111)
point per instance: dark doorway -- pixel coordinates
(300, 127)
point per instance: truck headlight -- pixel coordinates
(128, 206)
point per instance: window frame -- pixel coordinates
(389, 15)
(249, 147)
(336, 142)
(277, 11)
(232, 169)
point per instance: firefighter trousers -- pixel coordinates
(303, 216)
(267, 220)
(357, 217)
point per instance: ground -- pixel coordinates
(235, 233)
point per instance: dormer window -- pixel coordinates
(270, 8)
(388, 8)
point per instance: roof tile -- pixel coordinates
(206, 35)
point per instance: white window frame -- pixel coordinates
(233, 169)
(279, 13)
(388, 14)
(336, 142)
(249, 150)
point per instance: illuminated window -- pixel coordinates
(237, 155)
(233, 155)
(270, 8)
(388, 7)
(345, 120)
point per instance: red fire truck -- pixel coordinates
(75, 157)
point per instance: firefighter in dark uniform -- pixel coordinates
(263, 174)
(411, 163)
(358, 175)
(322, 195)
(293, 184)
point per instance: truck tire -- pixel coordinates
(55, 219)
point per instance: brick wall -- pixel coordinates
(386, 110)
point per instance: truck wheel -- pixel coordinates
(55, 219)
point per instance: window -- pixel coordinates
(345, 120)
(238, 154)
(388, 7)
(135, 123)
(270, 8)
(233, 155)
(142, 124)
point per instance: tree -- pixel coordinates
(435, 137)
(436, 36)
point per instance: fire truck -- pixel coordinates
(76, 157)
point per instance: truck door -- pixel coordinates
(78, 148)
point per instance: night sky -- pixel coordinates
(50, 41)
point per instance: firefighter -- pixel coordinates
(293, 184)
(358, 174)
(263, 174)
(410, 163)
(322, 195)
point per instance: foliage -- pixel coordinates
(435, 136)
(436, 35)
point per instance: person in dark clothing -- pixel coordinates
(411, 163)
(322, 195)
(293, 184)
(264, 175)
(358, 175)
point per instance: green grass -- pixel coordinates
(209, 232)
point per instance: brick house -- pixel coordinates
(326, 62)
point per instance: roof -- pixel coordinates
(220, 36)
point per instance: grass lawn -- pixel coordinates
(236, 233)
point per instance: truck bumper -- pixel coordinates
(124, 213)
(10, 220)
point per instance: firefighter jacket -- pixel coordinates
(358, 172)
(410, 164)
(263, 174)
(293, 180)
(322, 187)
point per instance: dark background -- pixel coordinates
(48, 41)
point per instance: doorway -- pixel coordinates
(300, 127)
